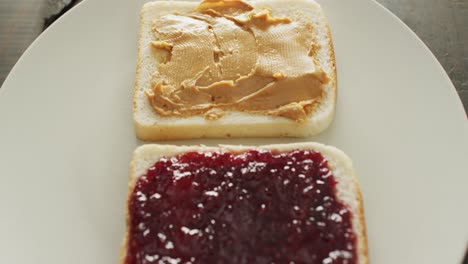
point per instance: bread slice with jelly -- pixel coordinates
(287, 203)
(246, 116)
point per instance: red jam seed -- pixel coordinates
(253, 207)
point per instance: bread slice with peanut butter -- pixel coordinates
(260, 68)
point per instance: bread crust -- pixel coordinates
(236, 124)
(364, 253)
(146, 155)
(334, 75)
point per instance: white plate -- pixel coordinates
(66, 137)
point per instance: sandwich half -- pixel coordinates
(288, 203)
(232, 68)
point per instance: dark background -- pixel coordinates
(441, 24)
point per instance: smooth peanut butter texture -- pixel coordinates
(228, 56)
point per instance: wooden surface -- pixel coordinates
(21, 22)
(441, 24)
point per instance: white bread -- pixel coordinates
(347, 188)
(151, 126)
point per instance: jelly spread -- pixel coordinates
(252, 207)
(229, 56)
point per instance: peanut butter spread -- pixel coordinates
(228, 56)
